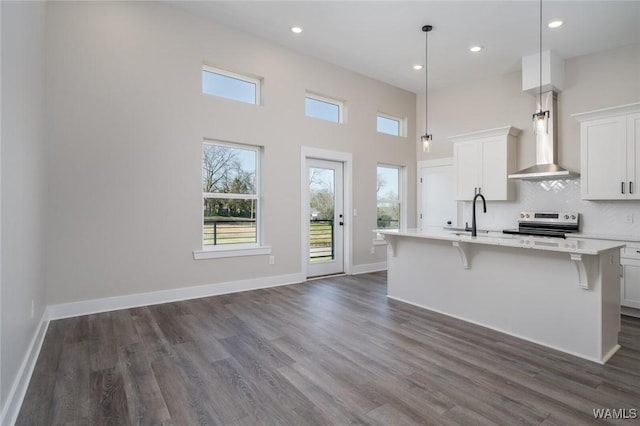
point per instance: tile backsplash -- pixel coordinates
(601, 217)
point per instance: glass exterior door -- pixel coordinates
(326, 218)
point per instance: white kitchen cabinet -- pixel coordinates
(466, 169)
(610, 153)
(630, 276)
(482, 162)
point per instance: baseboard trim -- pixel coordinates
(19, 387)
(94, 306)
(609, 354)
(369, 267)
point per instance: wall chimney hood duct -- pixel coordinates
(546, 167)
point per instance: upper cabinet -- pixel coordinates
(482, 162)
(610, 153)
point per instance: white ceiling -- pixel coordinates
(384, 39)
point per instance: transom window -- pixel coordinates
(389, 124)
(389, 196)
(323, 108)
(230, 85)
(230, 190)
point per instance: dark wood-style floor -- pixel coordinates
(331, 351)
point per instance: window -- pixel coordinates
(389, 196)
(323, 108)
(390, 125)
(230, 190)
(230, 85)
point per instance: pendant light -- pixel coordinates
(426, 138)
(540, 118)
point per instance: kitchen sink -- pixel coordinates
(485, 234)
(468, 233)
(463, 231)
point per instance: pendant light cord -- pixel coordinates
(426, 80)
(426, 30)
(540, 87)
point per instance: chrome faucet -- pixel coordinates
(474, 228)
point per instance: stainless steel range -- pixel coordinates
(547, 224)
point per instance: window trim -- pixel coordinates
(235, 250)
(215, 252)
(320, 98)
(402, 124)
(242, 77)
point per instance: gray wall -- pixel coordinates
(127, 119)
(23, 184)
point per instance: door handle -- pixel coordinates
(622, 187)
(630, 187)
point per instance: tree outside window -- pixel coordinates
(230, 194)
(388, 194)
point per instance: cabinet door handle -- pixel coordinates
(480, 190)
(622, 187)
(630, 187)
(638, 251)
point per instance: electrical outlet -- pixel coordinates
(272, 260)
(33, 308)
(628, 218)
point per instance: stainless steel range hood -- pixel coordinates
(544, 171)
(546, 166)
(546, 148)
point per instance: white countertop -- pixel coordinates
(610, 237)
(577, 245)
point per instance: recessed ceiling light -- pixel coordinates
(555, 24)
(417, 67)
(475, 48)
(296, 30)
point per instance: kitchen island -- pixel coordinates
(560, 293)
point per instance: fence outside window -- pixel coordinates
(321, 240)
(229, 231)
